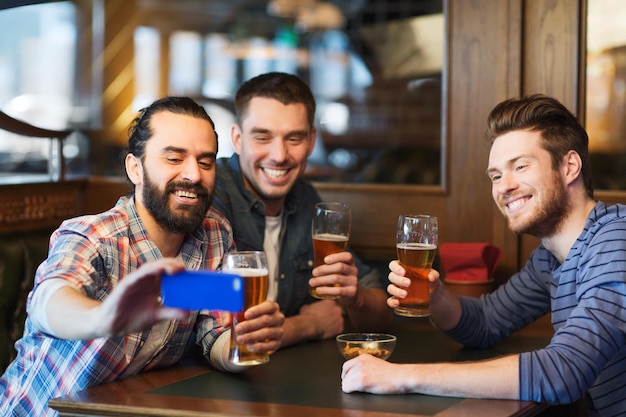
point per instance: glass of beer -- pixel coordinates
(416, 244)
(331, 231)
(252, 267)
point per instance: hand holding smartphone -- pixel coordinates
(202, 290)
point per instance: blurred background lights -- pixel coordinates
(335, 118)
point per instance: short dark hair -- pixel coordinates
(560, 130)
(286, 88)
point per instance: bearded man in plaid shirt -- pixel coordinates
(94, 314)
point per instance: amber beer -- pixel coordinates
(330, 231)
(417, 260)
(323, 245)
(255, 285)
(252, 267)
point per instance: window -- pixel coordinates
(606, 93)
(37, 73)
(376, 69)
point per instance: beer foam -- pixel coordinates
(248, 272)
(415, 246)
(330, 237)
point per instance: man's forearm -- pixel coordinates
(71, 315)
(445, 309)
(298, 329)
(370, 312)
(218, 356)
(492, 378)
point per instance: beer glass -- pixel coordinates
(331, 231)
(416, 243)
(252, 267)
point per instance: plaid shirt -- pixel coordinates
(93, 253)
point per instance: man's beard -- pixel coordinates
(185, 218)
(550, 215)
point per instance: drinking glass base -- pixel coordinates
(412, 312)
(250, 362)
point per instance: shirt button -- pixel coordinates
(310, 263)
(282, 276)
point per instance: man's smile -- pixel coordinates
(275, 173)
(186, 194)
(516, 204)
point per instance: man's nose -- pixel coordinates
(507, 183)
(191, 171)
(278, 150)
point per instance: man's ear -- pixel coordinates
(312, 142)
(235, 137)
(134, 169)
(572, 166)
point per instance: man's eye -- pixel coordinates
(205, 164)
(174, 160)
(520, 167)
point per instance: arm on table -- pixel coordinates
(492, 378)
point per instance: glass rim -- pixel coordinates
(244, 252)
(366, 337)
(338, 206)
(423, 216)
(258, 254)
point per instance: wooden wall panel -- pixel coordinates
(484, 69)
(121, 19)
(551, 61)
(113, 80)
(101, 193)
(39, 206)
(551, 49)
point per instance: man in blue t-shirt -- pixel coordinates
(541, 181)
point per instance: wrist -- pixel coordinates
(298, 329)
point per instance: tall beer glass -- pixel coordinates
(416, 244)
(331, 232)
(252, 267)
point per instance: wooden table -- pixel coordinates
(303, 381)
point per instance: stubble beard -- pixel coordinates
(549, 217)
(265, 192)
